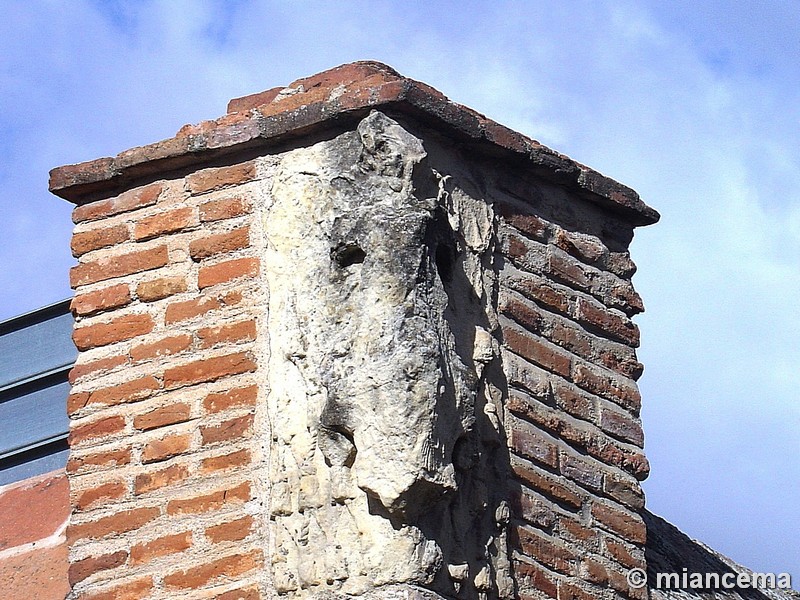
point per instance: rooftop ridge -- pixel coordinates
(312, 102)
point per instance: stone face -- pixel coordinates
(391, 359)
(382, 359)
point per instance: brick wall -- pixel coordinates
(163, 461)
(572, 412)
(169, 469)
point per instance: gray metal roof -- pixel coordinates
(36, 354)
(669, 550)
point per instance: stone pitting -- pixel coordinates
(383, 361)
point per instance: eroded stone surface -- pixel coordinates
(384, 376)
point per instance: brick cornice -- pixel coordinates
(320, 101)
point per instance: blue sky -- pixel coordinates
(694, 105)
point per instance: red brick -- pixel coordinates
(121, 522)
(133, 590)
(130, 391)
(549, 551)
(233, 332)
(227, 271)
(575, 433)
(562, 267)
(617, 580)
(622, 426)
(232, 298)
(547, 485)
(607, 322)
(543, 293)
(251, 101)
(158, 289)
(148, 482)
(102, 237)
(624, 489)
(622, 359)
(537, 351)
(568, 591)
(103, 364)
(78, 571)
(188, 309)
(107, 491)
(213, 464)
(108, 298)
(572, 338)
(516, 249)
(536, 578)
(227, 568)
(118, 266)
(571, 530)
(532, 508)
(163, 347)
(531, 444)
(585, 473)
(111, 458)
(76, 401)
(163, 546)
(584, 247)
(125, 202)
(627, 459)
(620, 264)
(248, 593)
(227, 430)
(594, 380)
(627, 525)
(232, 531)
(530, 225)
(33, 509)
(212, 501)
(209, 369)
(526, 315)
(165, 448)
(96, 429)
(164, 415)
(208, 180)
(226, 208)
(220, 401)
(625, 298)
(574, 402)
(622, 554)
(219, 243)
(163, 223)
(120, 329)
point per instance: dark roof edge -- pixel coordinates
(37, 315)
(347, 91)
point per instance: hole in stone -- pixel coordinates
(445, 257)
(348, 254)
(465, 455)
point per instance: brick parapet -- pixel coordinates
(164, 454)
(572, 414)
